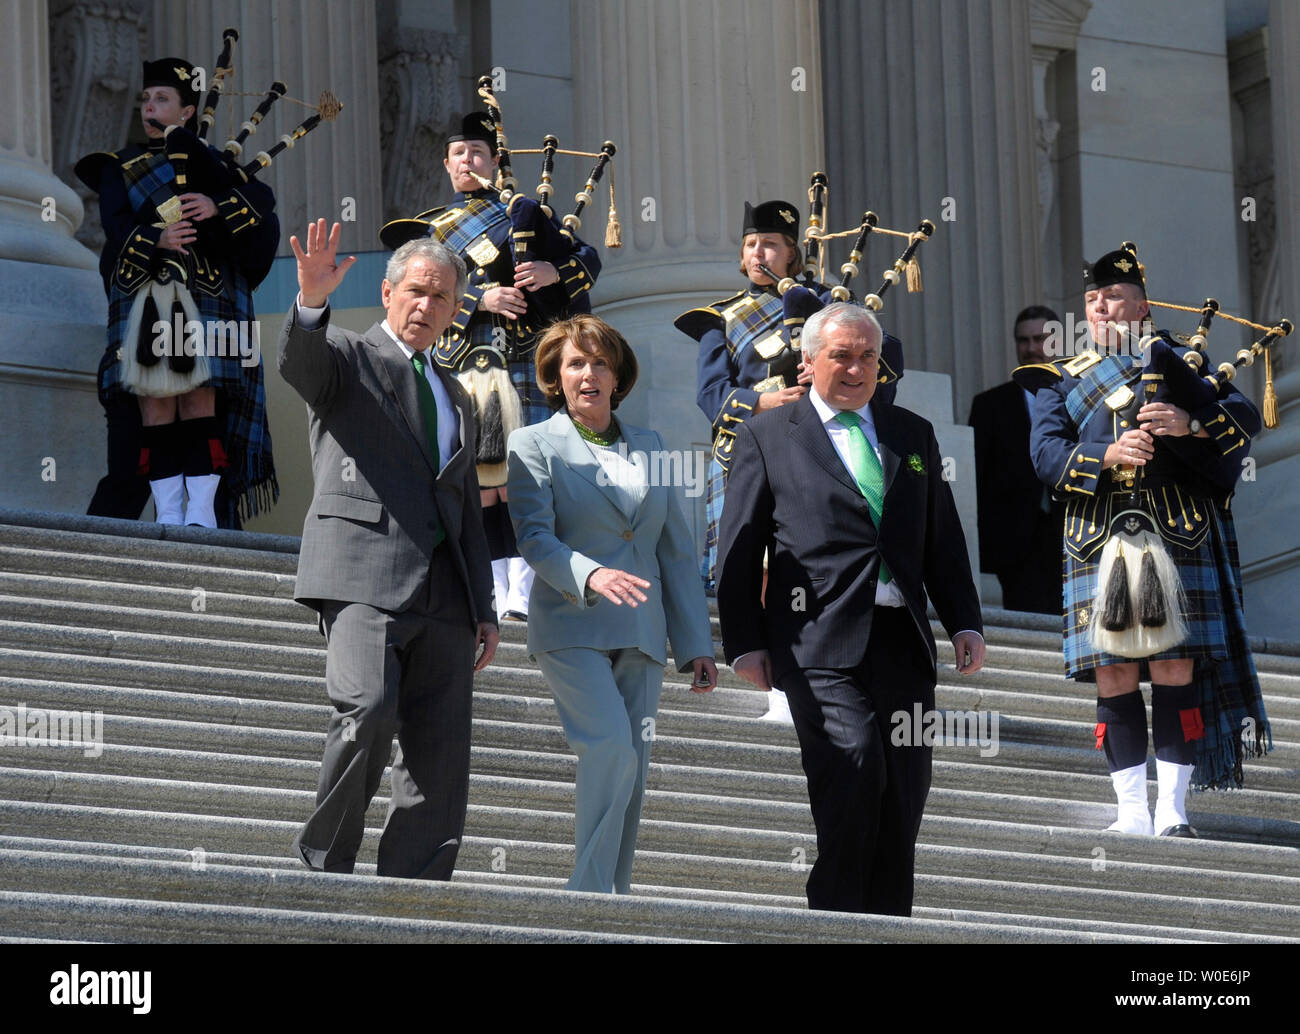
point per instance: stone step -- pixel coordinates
(57, 917)
(267, 687)
(652, 890)
(112, 567)
(345, 907)
(80, 539)
(221, 643)
(197, 547)
(1000, 790)
(1016, 660)
(947, 891)
(1022, 837)
(513, 810)
(213, 724)
(1275, 772)
(43, 585)
(516, 749)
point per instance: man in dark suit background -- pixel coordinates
(1020, 526)
(394, 558)
(853, 549)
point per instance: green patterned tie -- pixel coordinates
(867, 473)
(429, 411)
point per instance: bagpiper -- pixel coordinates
(1152, 586)
(184, 250)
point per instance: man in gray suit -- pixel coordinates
(394, 558)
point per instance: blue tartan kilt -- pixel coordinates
(1207, 635)
(715, 495)
(523, 375)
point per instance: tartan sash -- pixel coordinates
(752, 318)
(460, 227)
(145, 175)
(1098, 384)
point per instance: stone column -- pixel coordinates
(1054, 31)
(930, 113)
(710, 105)
(1284, 79)
(38, 213)
(1270, 546)
(310, 45)
(52, 308)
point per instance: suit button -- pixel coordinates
(627, 535)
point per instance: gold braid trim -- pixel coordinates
(909, 234)
(1198, 309)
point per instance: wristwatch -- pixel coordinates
(1193, 426)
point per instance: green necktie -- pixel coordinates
(866, 470)
(429, 411)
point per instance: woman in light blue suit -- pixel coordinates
(616, 577)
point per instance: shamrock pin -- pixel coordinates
(914, 461)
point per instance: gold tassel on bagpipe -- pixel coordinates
(905, 266)
(613, 228)
(1225, 372)
(1270, 393)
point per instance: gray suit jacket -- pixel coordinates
(568, 524)
(369, 534)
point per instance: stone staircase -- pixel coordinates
(209, 679)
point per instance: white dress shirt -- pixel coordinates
(888, 593)
(448, 415)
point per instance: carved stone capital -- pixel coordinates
(1055, 24)
(95, 55)
(418, 96)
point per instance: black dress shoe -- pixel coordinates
(515, 615)
(1183, 830)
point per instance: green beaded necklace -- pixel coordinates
(610, 435)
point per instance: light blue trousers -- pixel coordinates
(604, 699)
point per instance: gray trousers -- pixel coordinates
(604, 700)
(408, 674)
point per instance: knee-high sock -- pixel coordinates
(1175, 722)
(201, 441)
(205, 458)
(1122, 730)
(160, 460)
(161, 451)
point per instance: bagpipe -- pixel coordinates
(1141, 601)
(204, 169)
(525, 212)
(223, 170)
(800, 299)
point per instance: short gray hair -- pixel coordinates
(427, 248)
(837, 314)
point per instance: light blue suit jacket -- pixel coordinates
(568, 524)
